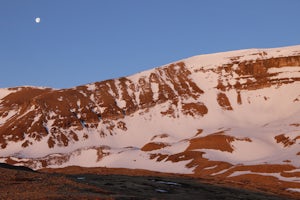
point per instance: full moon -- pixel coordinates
(37, 20)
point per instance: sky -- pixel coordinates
(84, 41)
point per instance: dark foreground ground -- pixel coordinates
(22, 183)
(148, 187)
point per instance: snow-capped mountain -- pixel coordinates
(232, 115)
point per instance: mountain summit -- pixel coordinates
(227, 116)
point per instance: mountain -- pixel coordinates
(231, 116)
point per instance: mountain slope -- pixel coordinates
(232, 115)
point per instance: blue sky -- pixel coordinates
(83, 41)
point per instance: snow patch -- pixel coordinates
(293, 189)
(9, 115)
(155, 90)
(276, 175)
(4, 92)
(91, 87)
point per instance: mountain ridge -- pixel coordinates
(232, 115)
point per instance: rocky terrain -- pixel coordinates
(232, 116)
(22, 183)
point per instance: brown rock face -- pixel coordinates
(33, 113)
(82, 107)
(74, 109)
(258, 69)
(285, 140)
(218, 141)
(153, 146)
(224, 101)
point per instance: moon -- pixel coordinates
(37, 20)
